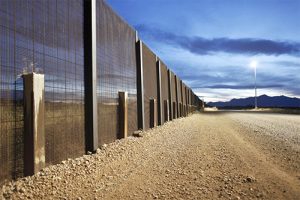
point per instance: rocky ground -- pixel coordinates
(204, 156)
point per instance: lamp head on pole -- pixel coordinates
(253, 64)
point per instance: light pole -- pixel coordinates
(254, 64)
(255, 87)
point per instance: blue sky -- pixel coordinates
(210, 43)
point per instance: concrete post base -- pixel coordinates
(34, 125)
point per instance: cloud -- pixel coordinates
(239, 86)
(287, 64)
(204, 46)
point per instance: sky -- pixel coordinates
(210, 44)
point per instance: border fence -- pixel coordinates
(88, 55)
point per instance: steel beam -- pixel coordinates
(166, 110)
(159, 96)
(177, 102)
(170, 94)
(140, 84)
(181, 97)
(123, 115)
(153, 113)
(90, 75)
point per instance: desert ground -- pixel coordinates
(211, 155)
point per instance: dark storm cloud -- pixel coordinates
(202, 46)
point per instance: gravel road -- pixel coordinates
(204, 156)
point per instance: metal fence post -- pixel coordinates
(186, 101)
(189, 100)
(140, 83)
(180, 109)
(170, 95)
(174, 110)
(153, 113)
(159, 96)
(90, 76)
(34, 125)
(166, 110)
(123, 114)
(181, 97)
(177, 102)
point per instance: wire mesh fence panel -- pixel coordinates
(164, 90)
(42, 36)
(178, 89)
(174, 95)
(183, 96)
(150, 82)
(116, 71)
(61, 41)
(11, 90)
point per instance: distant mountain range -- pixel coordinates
(262, 101)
